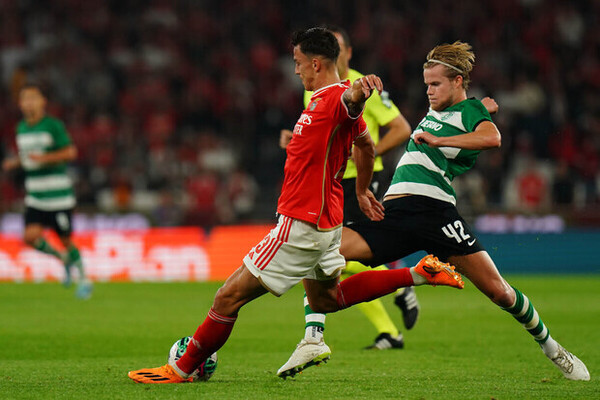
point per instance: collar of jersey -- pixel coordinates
(453, 107)
(321, 90)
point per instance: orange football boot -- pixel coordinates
(438, 273)
(164, 374)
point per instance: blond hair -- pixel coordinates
(458, 58)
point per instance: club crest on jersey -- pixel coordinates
(313, 104)
(447, 115)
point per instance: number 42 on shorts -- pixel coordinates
(456, 230)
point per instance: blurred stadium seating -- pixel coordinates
(176, 106)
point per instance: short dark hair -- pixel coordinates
(317, 41)
(341, 31)
(42, 88)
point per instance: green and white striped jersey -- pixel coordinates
(429, 171)
(48, 186)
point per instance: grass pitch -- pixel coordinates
(55, 346)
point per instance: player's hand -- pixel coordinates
(285, 136)
(427, 138)
(10, 164)
(364, 87)
(369, 205)
(490, 105)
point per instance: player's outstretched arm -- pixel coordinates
(364, 158)
(10, 163)
(355, 97)
(485, 136)
(65, 154)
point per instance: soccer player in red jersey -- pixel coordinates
(305, 243)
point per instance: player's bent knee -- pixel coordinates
(30, 239)
(503, 297)
(32, 234)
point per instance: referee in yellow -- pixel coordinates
(379, 112)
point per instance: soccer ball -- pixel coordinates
(204, 371)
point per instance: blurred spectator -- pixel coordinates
(203, 189)
(532, 189)
(123, 194)
(588, 167)
(563, 187)
(167, 212)
(493, 170)
(240, 191)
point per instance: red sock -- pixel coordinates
(370, 285)
(209, 337)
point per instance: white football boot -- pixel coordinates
(570, 366)
(307, 354)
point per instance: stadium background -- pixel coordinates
(176, 107)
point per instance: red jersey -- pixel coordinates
(316, 159)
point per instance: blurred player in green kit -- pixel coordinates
(45, 148)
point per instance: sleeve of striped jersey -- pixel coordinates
(61, 137)
(474, 114)
(382, 111)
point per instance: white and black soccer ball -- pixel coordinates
(204, 371)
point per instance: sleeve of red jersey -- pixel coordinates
(342, 109)
(359, 128)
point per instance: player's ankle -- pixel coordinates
(417, 278)
(313, 333)
(550, 347)
(179, 371)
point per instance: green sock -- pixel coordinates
(74, 258)
(524, 312)
(315, 322)
(42, 245)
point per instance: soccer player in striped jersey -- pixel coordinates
(380, 112)
(45, 148)
(305, 243)
(420, 211)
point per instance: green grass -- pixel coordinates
(463, 347)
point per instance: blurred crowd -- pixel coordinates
(176, 106)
